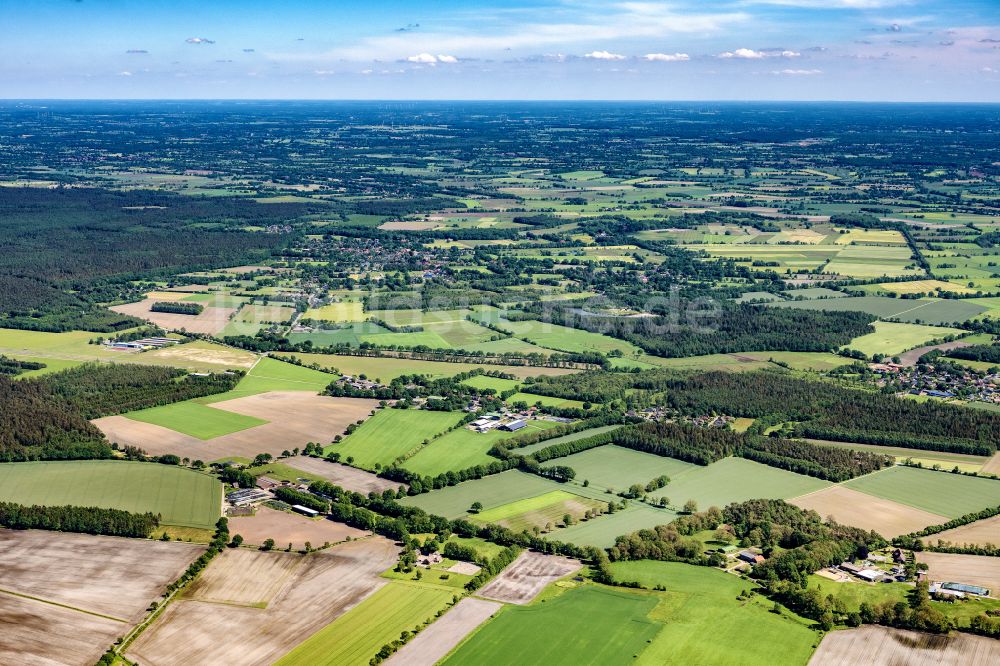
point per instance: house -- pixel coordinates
(514, 425)
(752, 558)
(898, 556)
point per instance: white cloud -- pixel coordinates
(125, 73)
(833, 4)
(797, 72)
(667, 57)
(750, 54)
(604, 55)
(431, 59)
(450, 59)
(199, 40)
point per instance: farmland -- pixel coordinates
(618, 468)
(389, 434)
(461, 449)
(891, 338)
(180, 496)
(850, 507)
(491, 491)
(981, 532)
(539, 511)
(950, 495)
(285, 527)
(881, 646)
(970, 569)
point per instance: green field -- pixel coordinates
(964, 461)
(461, 449)
(736, 480)
(387, 368)
(195, 419)
(618, 468)
(391, 433)
(490, 491)
(704, 623)
(548, 401)
(587, 625)
(180, 496)
(554, 336)
(350, 334)
(923, 310)
(602, 531)
(943, 493)
(343, 311)
(538, 511)
(484, 382)
(355, 637)
(273, 375)
(590, 432)
(891, 338)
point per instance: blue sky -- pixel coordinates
(908, 50)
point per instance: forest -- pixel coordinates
(86, 520)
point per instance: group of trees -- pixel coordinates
(177, 307)
(12, 367)
(86, 520)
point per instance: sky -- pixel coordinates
(865, 50)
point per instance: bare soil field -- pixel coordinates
(106, 575)
(291, 528)
(296, 417)
(433, 643)
(992, 465)
(319, 589)
(211, 320)
(850, 507)
(972, 569)
(182, 355)
(244, 577)
(408, 226)
(881, 646)
(467, 568)
(40, 634)
(521, 582)
(348, 478)
(980, 533)
(911, 357)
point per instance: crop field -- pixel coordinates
(554, 336)
(328, 584)
(700, 602)
(882, 646)
(980, 533)
(925, 287)
(349, 478)
(350, 334)
(180, 496)
(293, 418)
(538, 511)
(436, 641)
(211, 320)
(891, 338)
(921, 310)
(548, 401)
(387, 368)
(244, 577)
(964, 461)
(391, 433)
(590, 432)
(950, 495)
(736, 480)
(495, 383)
(195, 419)
(618, 468)
(346, 311)
(273, 375)
(356, 636)
(562, 631)
(490, 491)
(850, 507)
(602, 531)
(972, 569)
(462, 448)
(285, 527)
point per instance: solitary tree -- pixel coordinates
(690, 506)
(476, 507)
(267, 545)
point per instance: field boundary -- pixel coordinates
(42, 600)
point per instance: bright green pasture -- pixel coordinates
(420, 338)
(891, 338)
(272, 375)
(195, 419)
(350, 335)
(490, 491)
(704, 623)
(560, 338)
(51, 365)
(548, 401)
(391, 433)
(586, 625)
(347, 310)
(355, 637)
(618, 468)
(497, 384)
(602, 531)
(547, 509)
(461, 449)
(943, 493)
(736, 480)
(181, 496)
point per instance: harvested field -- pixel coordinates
(882, 646)
(432, 644)
(911, 357)
(980, 533)
(41, 634)
(296, 418)
(349, 478)
(198, 355)
(972, 569)
(211, 320)
(992, 465)
(888, 518)
(521, 582)
(285, 528)
(106, 575)
(244, 577)
(320, 588)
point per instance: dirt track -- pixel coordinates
(433, 643)
(521, 582)
(320, 588)
(881, 646)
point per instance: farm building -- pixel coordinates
(247, 496)
(752, 558)
(305, 511)
(967, 589)
(513, 425)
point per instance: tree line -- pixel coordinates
(85, 520)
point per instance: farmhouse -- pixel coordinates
(752, 558)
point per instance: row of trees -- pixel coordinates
(86, 520)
